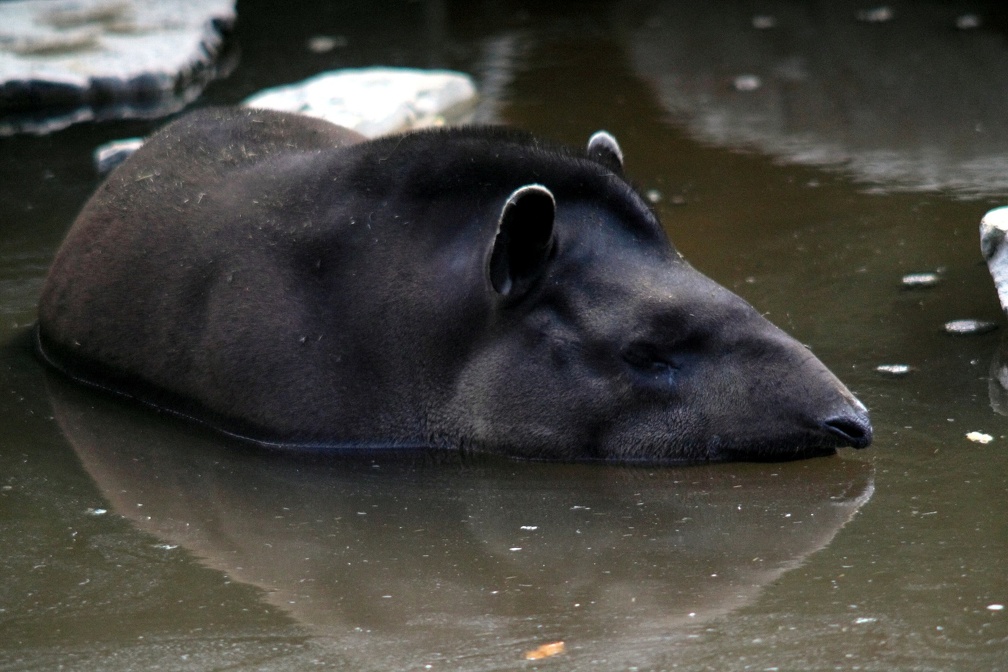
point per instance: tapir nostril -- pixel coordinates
(854, 430)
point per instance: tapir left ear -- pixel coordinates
(524, 241)
(603, 148)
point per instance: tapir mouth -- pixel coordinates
(786, 450)
(851, 428)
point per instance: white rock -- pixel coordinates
(993, 228)
(376, 101)
(137, 58)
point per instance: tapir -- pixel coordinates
(476, 289)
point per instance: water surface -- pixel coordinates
(131, 542)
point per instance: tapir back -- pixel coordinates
(283, 280)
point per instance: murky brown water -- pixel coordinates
(208, 556)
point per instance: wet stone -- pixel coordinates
(969, 327)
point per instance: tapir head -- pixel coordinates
(606, 344)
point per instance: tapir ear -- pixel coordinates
(524, 240)
(602, 147)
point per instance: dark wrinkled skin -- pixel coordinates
(283, 280)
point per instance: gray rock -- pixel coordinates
(993, 227)
(66, 61)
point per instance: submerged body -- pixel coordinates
(284, 280)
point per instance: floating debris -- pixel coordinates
(876, 14)
(969, 327)
(920, 280)
(653, 196)
(894, 370)
(747, 83)
(979, 437)
(967, 22)
(320, 44)
(764, 22)
(995, 607)
(545, 651)
(96, 512)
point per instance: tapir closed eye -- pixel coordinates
(471, 288)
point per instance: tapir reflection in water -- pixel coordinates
(396, 563)
(285, 280)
